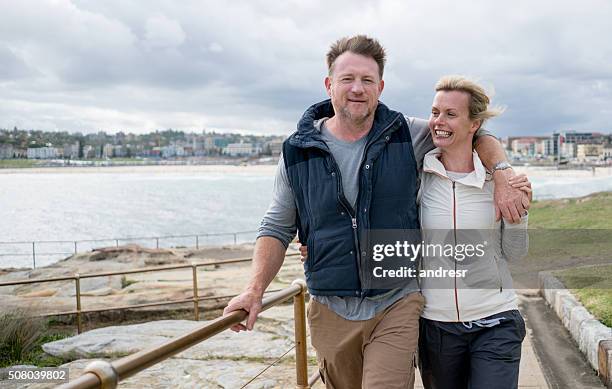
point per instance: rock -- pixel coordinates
(278, 320)
(117, 340)
(99, 292)
(227, 360)
(188, 374)
(591, 333)
(40, 293)
(122, 340)
(231, 345)
(101, 346)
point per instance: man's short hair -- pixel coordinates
(358, 44)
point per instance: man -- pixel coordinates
(352, 167)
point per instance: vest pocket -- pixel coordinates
(310, 243)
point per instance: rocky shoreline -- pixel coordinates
(136, 288)
(224, 361)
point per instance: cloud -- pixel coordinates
(256, 65)
(12, 67)
(163, 33)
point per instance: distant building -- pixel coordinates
(553, 144)
(42, 152)
(588, 152)
(89, 151)
(525, 146)
(155, 152)
(7, 151)
(20, 152)
(274, 147)
(607, 152)
(108, 151)
(568, 150)
(120, 151)
(71, 150)
(580, 137)
(240, 149)
(172, 151)
(209, 143)
(221, 142)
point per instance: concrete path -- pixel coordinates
(563, 365)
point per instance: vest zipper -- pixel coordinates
(353, 215)
(349, 209)
(455, 261)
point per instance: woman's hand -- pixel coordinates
(303, 252)
(521, 182)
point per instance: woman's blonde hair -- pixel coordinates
(479, 100)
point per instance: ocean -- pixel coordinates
(107, 204)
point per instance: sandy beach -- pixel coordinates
(265, 170)
(539, 171)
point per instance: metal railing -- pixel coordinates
(33, 250)
(104, 374)
(79, 311)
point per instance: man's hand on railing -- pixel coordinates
(249, 301)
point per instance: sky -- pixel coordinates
(254, 66)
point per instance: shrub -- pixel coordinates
(19, 333)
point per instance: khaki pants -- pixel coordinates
(369, 354)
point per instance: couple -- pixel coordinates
(352, 167)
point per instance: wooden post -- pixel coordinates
(34, 255)
(77, 281)
(196, 307)
(301, 359)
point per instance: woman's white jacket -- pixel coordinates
(461, 212)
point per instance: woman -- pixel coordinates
(471, 330)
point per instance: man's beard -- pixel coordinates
(356, 119)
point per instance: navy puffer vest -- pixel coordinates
(336, 234)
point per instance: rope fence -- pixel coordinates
(79, 311)
(50, 250)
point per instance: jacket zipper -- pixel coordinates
(455, 261)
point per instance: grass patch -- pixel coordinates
(22, 337)
(125, 283)
(571, 228)
(593, 287)
(17, 163)
(590, 212)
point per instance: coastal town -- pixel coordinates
(62, 148)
